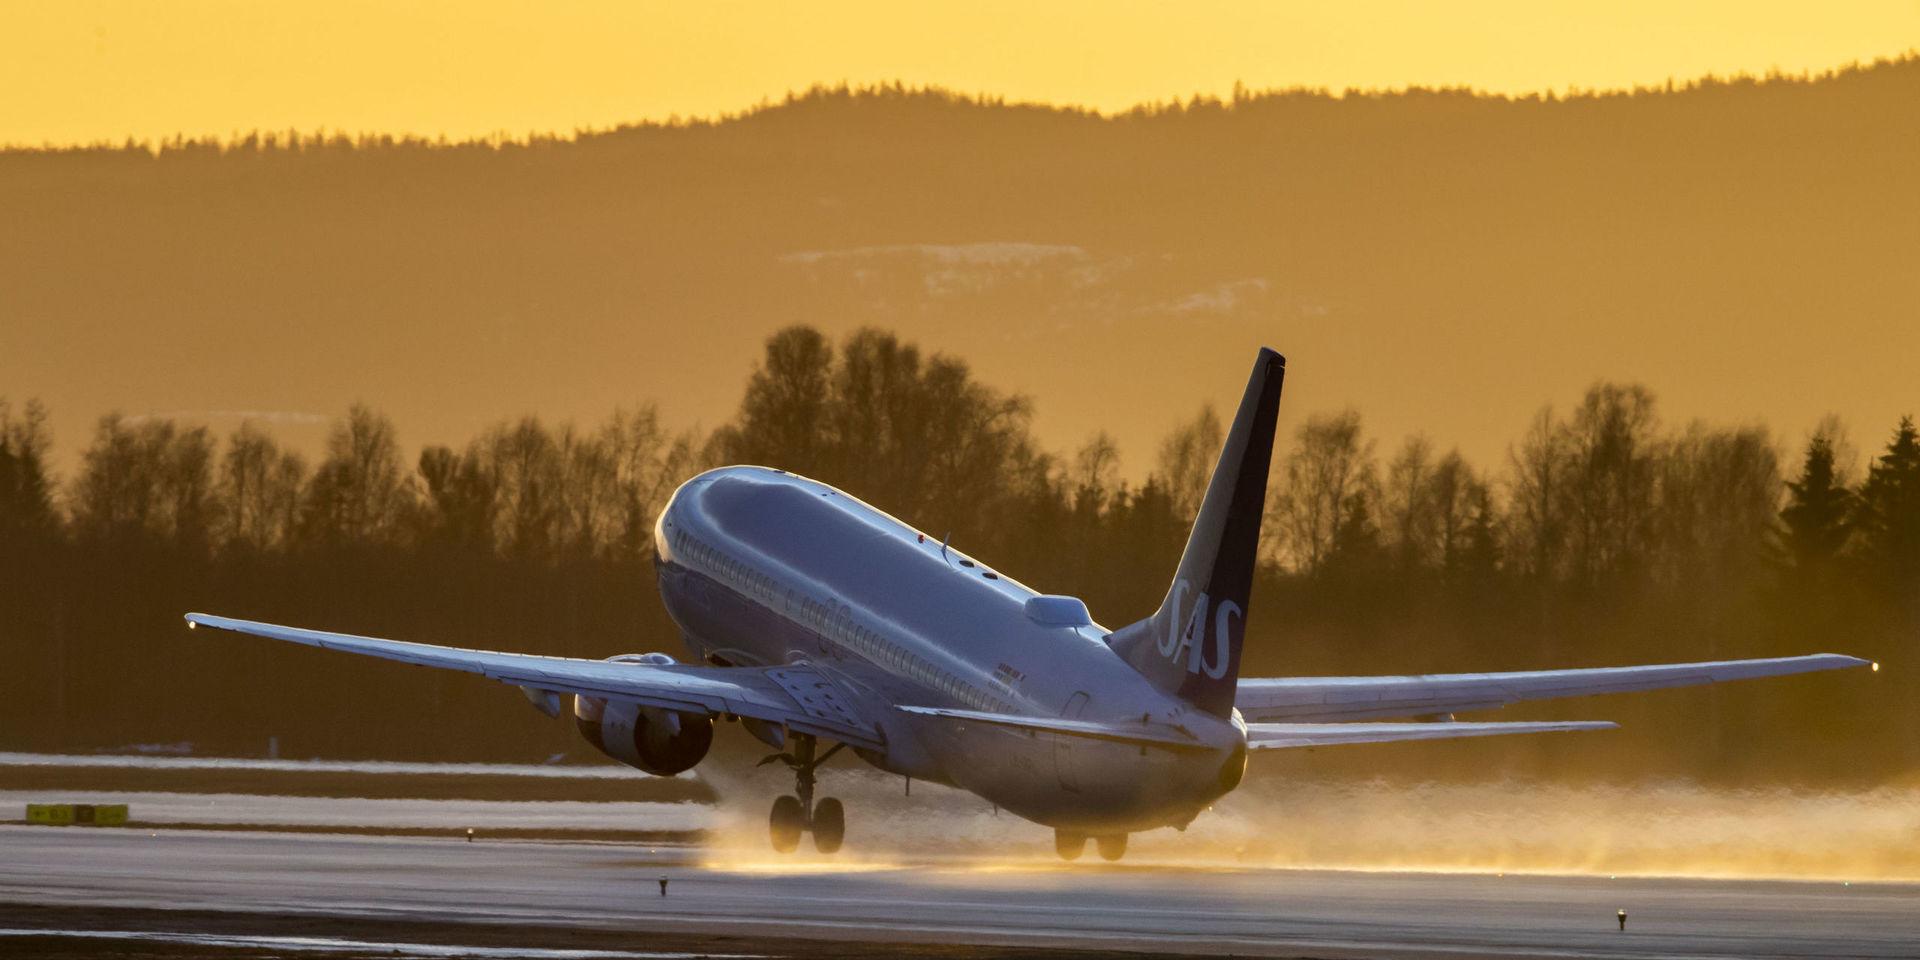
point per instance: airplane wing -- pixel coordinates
(1278, 736)
(1319, 699)
(802, 698)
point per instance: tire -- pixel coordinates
(785, 823)
(1113, 846)
(829, 825)
(1069, 845)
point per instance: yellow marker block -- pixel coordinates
(101, 814)
(51, 814)
(83, 814)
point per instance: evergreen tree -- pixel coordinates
(1817, 516)
(1359, 552)
(26, 494)
(1473, 565)
(1889, 517)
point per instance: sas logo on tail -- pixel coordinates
(1187, 636)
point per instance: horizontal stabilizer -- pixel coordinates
(1279, 736)
(1379, 698)
(1157, 735)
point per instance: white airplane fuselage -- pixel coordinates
(761, 567)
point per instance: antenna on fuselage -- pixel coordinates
(943, 544)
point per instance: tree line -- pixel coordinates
(296, 141)
(1606, 537)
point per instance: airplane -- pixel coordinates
(818, 619)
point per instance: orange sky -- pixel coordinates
(88, 70)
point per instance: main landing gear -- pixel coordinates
(1070, 845)
(792, 816)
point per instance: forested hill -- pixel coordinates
(1442, 260)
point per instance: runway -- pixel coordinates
(1016, 902)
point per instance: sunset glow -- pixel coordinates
(104, 70)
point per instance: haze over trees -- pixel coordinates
(1441, 260)
(1607, 536)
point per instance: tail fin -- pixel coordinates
(1190, 647)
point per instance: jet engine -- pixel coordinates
(661, 742)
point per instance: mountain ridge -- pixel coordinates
(1444, 261)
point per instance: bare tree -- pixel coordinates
(1538, 503)
(1613, 451)
(1329, 465)
(525, 463)
(1461, 507)
(459, 505)
(259, 490)
(1719, 493)
(1186, 460)
(359, 492)
(148, 477)
(1092, 477)
(1409, 506)
(649, 462)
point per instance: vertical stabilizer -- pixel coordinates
(1190, 647)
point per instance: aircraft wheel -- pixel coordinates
(829, 825)
(785, 824)
(1113, 846)
(1069, 845)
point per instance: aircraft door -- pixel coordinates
(1063, 759)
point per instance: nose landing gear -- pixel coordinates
(794, 815)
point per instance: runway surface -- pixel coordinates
(371, 815)
(1015, 901)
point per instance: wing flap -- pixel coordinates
(1320, 699)
(1280, 736)
(802, 698)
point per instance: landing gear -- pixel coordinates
(786, 823)
(792, 815)
(1069, 845)
(829, 825)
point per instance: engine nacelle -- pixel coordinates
(661, 742)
